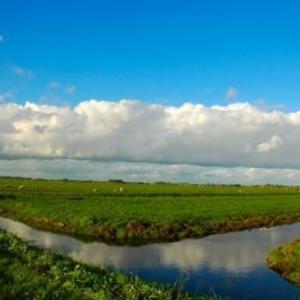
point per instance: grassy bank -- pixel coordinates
(29, 273)
(286, 261)
(120, 212)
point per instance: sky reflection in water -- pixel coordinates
(231, 264)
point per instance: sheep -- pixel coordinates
(21, 187)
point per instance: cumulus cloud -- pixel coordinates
(274, 143)
(234, 135)
(232, 93)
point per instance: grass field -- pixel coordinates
(286, 261)
(29, 273)
(136, 212)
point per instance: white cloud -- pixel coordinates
(273, 144)
(232, 93)
(70, 89)
(133, 131)
(1, 38)
(21, 72)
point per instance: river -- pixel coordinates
(231, 264)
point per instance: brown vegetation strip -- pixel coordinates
(286, 261)
(136, 232)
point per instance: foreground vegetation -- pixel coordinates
(29, 273)
(136, 213)
(286, 261)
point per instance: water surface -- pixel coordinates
(231, 264)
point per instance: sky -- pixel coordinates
(202, 84)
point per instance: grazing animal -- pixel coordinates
(21, 187)
(121, 189)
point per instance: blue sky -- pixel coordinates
(155, 51)
(242, 56)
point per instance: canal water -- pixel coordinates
(231, 264)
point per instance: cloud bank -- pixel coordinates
(237, 134)
(146, 172)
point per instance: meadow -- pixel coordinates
(119, 212)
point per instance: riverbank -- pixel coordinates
(192, 262)
(136, 213)
(27, 272)
(286, 261)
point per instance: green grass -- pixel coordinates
(145, 212)
(286, 261)
(29, 273)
